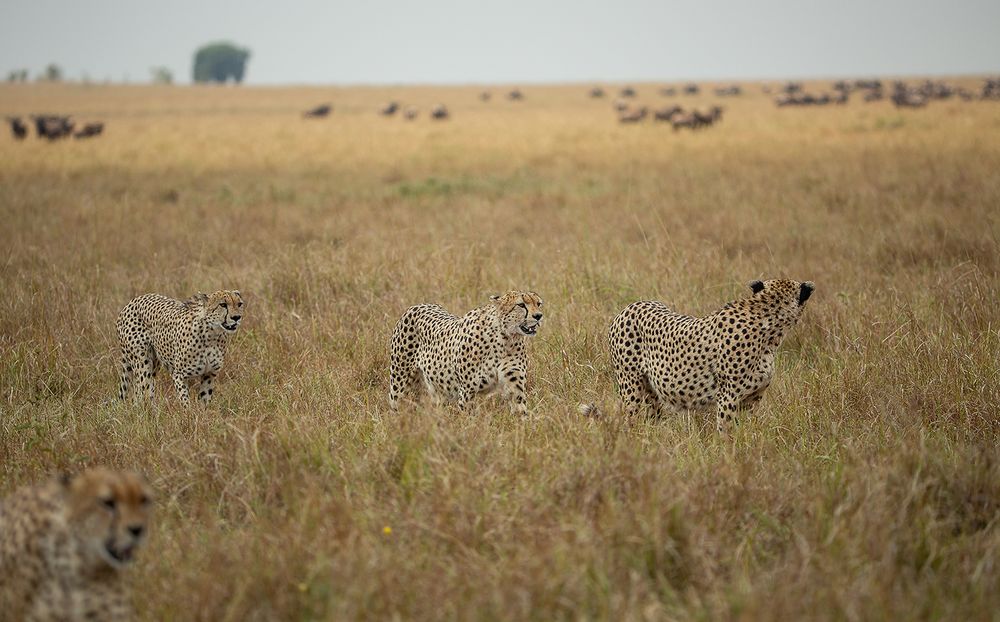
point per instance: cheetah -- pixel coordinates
(64, 543)
(188, 337)
(459, 357)
(672, 362)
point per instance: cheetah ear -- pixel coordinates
(495, 298)
(200, 298)
(756, 286)
(805, 290)
(238, 294)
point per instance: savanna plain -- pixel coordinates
(865, 485)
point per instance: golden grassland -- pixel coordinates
(866, 485)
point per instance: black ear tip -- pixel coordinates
(756, 286)
(805, 290)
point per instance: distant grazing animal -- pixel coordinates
(704, 118)
(691, 89)
(485, 96)
(597, 92)
(187, 337)
(64, 543)
(633, 116)
(515, 95)
(53, 127)
(672, 362)
(318, 111)
(668, 91)
(667, 113)
(389, 109)
(457, 358)
(628, 91)
(439, 112)
(17, 127)
(728, 91)
(681, 119)
(410, 113)
(90, 129)
(620, 105)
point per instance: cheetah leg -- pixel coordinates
(144, 375)
(729, 407)
(125, 377)
(207, 387)
(513, 388)
(182, 389)
(635, 392)
(402, 381)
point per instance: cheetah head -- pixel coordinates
(519, 312)
(785, 297)
(222, 310)
(109, 513)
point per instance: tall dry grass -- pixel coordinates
(865, 486)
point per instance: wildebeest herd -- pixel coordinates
(53, 127)
(902, 95)
(792, 93)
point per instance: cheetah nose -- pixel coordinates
(135, 530)
(537, 316)
(236, 318)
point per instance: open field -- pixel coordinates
(866, 485)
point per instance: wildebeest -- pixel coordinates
(627, 91)
(903, 97)
(991, 88)
(18, 127)
(318, 111)
(667, 114)
(439, 112)
(668, 91)
(596, 92)
(728, 91)
(389, 109)
(53, 127)
(692, 89)
(633, 116)
(90, 129)
(708, 117)
(874, 95)
(684, 120)
(410, 113)
(619, 104)
(515, 95)
(485, 96)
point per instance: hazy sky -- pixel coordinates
(443, 41)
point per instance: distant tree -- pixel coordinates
(162, 75)
(218, 62)
(53, 73)
(18, 75)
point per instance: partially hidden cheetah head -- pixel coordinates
(108, 513)
(222, 310)
(784, 297)
(519, 312)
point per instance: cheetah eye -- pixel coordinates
(108, 503)
(522, 305)
(239, 304)
(223, 305)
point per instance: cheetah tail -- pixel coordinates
(591, 410)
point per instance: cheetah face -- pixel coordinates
(109, 513)
(520, 312)
(785, 296)
(224, 309)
